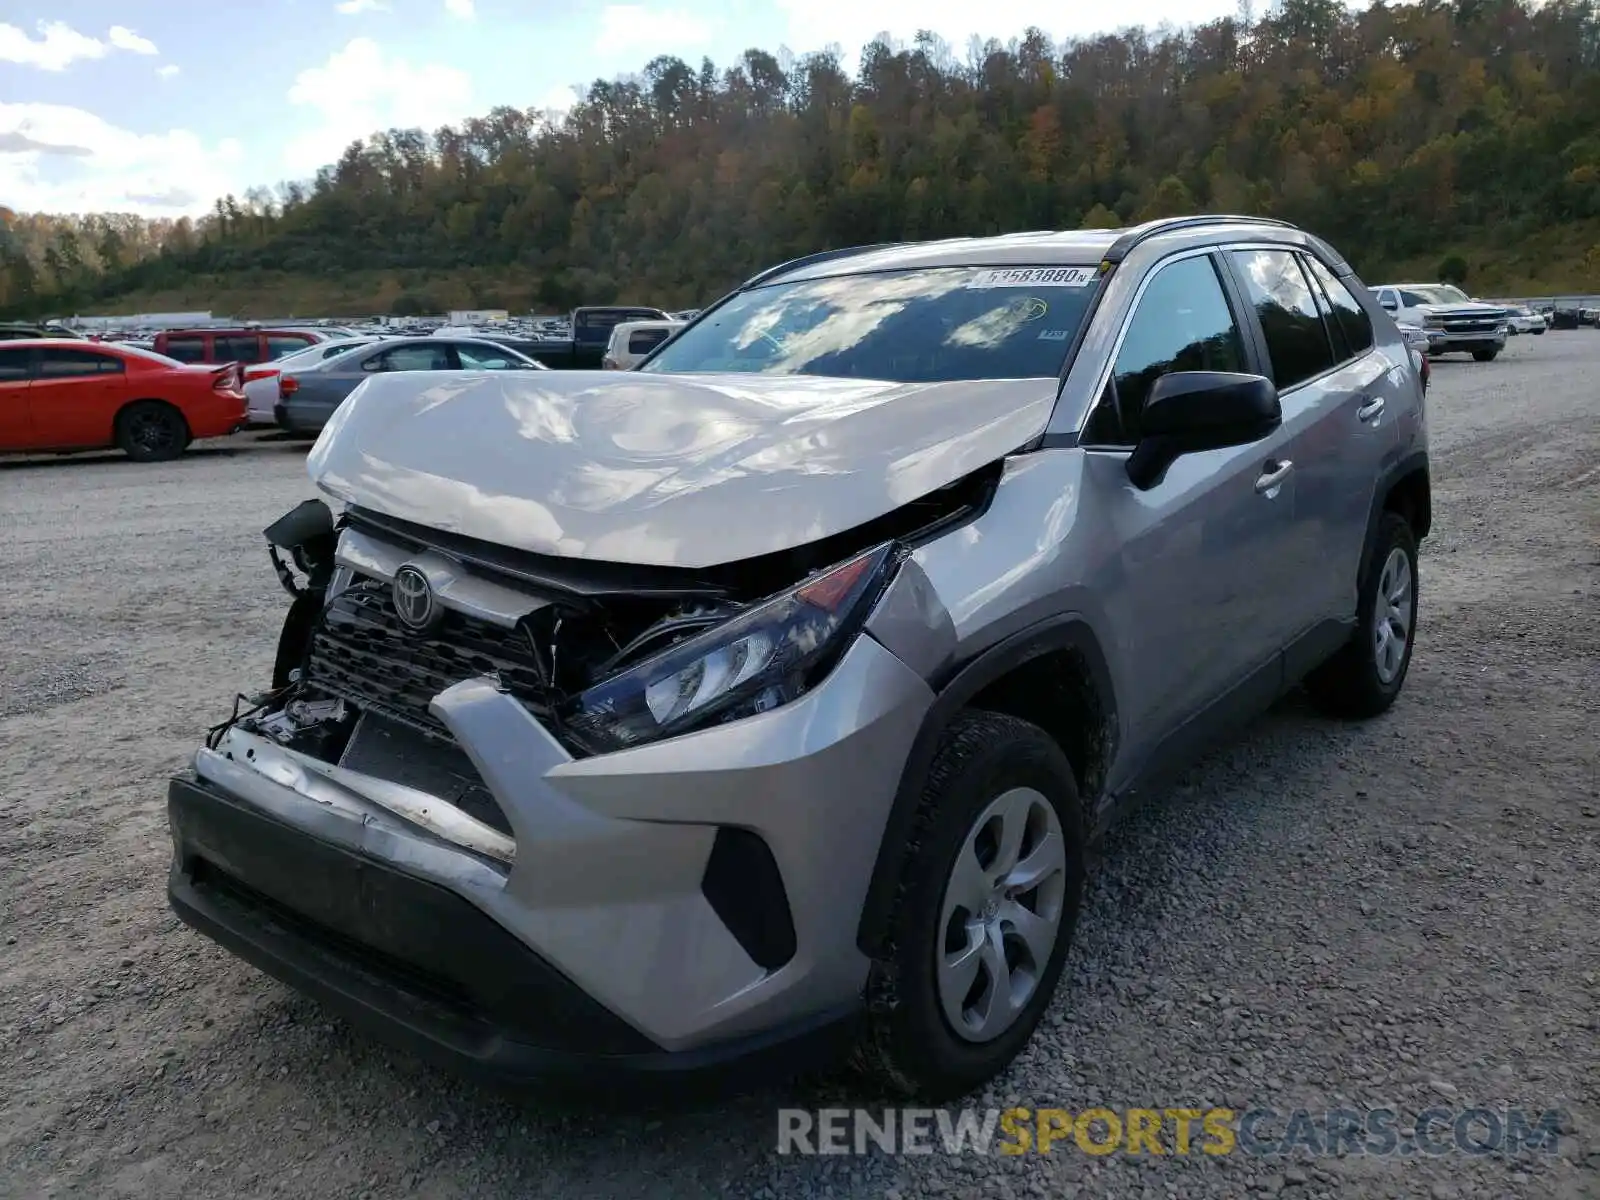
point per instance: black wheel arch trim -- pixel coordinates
(1406, 466)
(954, 690)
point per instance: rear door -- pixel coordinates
(16, 426)
(1322, 386)
(74, 396)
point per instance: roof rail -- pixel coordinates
(794, 264)
(1124, 245)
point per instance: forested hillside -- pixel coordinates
(1404, 133)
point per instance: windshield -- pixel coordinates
(923, 326)
(1443, 293)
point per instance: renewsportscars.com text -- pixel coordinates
(1167, 1131)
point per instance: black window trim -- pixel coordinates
(1264, 360)
(1232, 295)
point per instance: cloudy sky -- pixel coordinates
(160, 106)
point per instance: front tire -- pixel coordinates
(151, 431)
(986, 907)
(1486, 355)
(1363, 679)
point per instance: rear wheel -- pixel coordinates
(1363, 679)
(1486, 355)
(151, 431)
(986, 908)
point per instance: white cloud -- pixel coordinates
(124, 38)
(351, 7)
(813, 24)
(167, 70)
(58, 47)
(627, 28)
(464, 9)
(557, 100)
(360, 90)
(54, 158)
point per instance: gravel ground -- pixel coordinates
(1393, 915)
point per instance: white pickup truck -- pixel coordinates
(1455, 323)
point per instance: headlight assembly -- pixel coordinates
(764, 657)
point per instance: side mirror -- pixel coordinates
(372, 364)
(1190, 411)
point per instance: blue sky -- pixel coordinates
(160, 106)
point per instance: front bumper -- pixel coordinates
(1445, 342)
(624, 926)
(416, 964)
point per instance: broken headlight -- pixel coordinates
(764, 657)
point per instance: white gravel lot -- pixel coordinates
(1392, 915)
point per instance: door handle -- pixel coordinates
(1276, 473)
(1370, 410)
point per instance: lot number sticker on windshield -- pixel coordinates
(1005, 277)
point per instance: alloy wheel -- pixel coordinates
(1391, 623)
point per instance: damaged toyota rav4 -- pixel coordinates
(761, 702)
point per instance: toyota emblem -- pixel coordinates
(413, 599)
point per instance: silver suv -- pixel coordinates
(762, 700)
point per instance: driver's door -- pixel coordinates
(1201, 553)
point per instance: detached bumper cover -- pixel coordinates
(417, 964)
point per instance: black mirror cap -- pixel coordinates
(1190, 411)
(1190, 402)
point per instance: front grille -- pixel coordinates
(361, 653)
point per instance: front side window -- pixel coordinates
(1349, 318)
(483, 358)
(1297, 340)
(187, 349)
(1182, 322)
(67, 364)
(922, 326)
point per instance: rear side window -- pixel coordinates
(236, 347)
(13, 365)
(189, 348)
(64, 364)
(642, 341)
(1297, 340)
(280, 344)
(1349, 318)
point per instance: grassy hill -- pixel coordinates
(1564, 259)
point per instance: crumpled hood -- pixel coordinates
(666, 470)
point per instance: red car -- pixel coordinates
(71, 395)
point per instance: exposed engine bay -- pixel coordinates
(608, 656)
